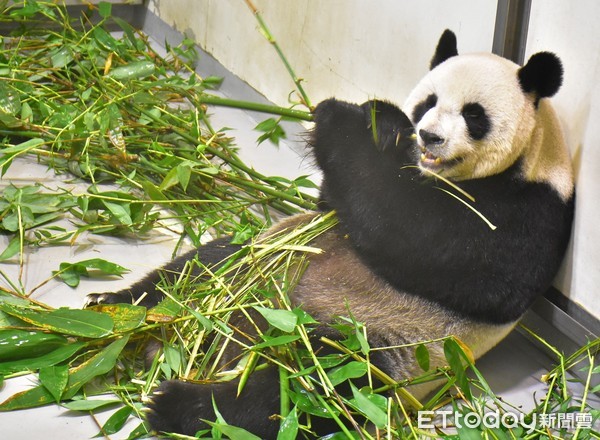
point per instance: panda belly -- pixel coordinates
(336, 283)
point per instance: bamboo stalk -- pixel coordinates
(271, 39)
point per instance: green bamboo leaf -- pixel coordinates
(120, 211)
(284, 320)
(171, 179)
(10, 101)
(115, 422)
(141, 431)
(105, 40)
(26, 112)
(275, 341)
(368, 408)
(129, 33)
(173, 357)
(289, 426)
(85, 323)
(453, 354)
(153, 191)
(71, 273)
(204, 322)
(233, 432)
(89, 404)
(184, 172)
(55, 379)
(13, 248)
(19, 344)
(126, 317)
(57, 356)
(101, 363)
(8, 154)
(303, 317)
(422, 356)
(105, 9)
(61, 57)
(351, 370)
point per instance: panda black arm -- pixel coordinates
(209, 255)
(350, 142)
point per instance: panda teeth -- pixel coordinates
(430, 158)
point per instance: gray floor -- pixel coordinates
(513, 369)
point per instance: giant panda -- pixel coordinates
(408, 259)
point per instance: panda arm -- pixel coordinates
(210, 254)
(361, 151)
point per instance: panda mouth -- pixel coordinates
(432, 162)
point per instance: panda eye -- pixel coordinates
(473, 111)
(423, 107)
(478, 122)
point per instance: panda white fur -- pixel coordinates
(407, 259)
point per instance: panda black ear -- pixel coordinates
(446, 48)
(542, 75)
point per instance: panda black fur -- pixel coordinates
(409, 260)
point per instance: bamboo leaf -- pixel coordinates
(126, 317)
(289, 426)
(101, 363)
(120, 211)
(116, 421)
(13, 248)
(284, 320)
(19, 344)
(233, 432)
(453, 354)
(275, 341)
(71, 273)
(55, 379)
(105, 9)
(85, 323)
(368, 408)
(8, 154)
(422, 356)
(89, 404)
(31, 364)
(351, 370)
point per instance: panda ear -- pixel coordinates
(446, 48)
(542, 75)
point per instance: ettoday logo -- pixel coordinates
(496, 419)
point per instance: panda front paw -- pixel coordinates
(391, 128)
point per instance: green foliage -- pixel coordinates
(71, 273)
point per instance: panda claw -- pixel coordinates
(94, 299)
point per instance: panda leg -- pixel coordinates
(210, 254)
(182, 407)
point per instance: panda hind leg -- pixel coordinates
(181, 407)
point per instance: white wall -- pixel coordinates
(351, 49)
(570, 29)
(360, 49)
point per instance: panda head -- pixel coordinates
(475, 115)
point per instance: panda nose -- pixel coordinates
(430, 138)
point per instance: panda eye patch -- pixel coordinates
(476, 119)
(423, 107)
